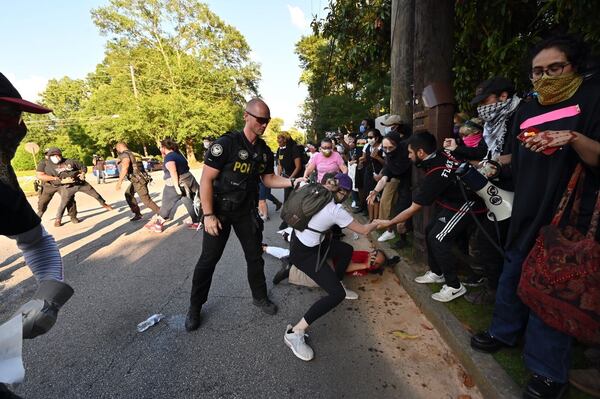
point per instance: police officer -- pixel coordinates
(50, 186)
(229, 191)
(70, 175)
(133, 170)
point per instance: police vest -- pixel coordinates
(240, 174)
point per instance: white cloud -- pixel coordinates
(298, 18)
(29, 88)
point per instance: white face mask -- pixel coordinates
(206, 145)
(387, 129)
(371, 141)
(55, 159)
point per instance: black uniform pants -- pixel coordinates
(46, 194)
(248, 228)
(67, 193)
(141, 188)
(442, 233)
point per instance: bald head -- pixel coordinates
(121, 146)
(259, 108)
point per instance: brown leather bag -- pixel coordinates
(560, 280)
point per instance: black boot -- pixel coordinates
(540, 387)
(192, 321)
(283, 273)
(266, 305)
(7, 394)
(278, 205)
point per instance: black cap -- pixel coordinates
(53, 151)
(9, 94)
(495, 85)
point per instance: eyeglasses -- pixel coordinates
(260, 119)
(555, 69)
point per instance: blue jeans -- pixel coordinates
(547, 351)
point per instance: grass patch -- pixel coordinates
(478, 317)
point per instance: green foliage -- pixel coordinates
(23, 160)
(346, 64)
(493, 37)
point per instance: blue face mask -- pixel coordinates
(361, 129)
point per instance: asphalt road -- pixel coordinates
(379, 346)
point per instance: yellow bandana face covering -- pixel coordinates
(554, 89)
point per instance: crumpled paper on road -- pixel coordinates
(11, 348)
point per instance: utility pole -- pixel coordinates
(135, 94)
(402, 41)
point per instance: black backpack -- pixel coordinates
(303, 203)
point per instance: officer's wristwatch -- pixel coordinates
(292, 180)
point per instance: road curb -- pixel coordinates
(491, 379)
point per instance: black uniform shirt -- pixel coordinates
(66, 168)
(242, 162)
(440, 184)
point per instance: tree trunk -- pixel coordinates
(403, 27)
(189, 150)
(433, 44)
(145, 150)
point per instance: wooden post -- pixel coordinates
(403, 26)
(434, 20)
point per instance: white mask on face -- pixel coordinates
(371, 141)
(206, 145)
(55, 159)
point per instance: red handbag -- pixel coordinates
(560, 280)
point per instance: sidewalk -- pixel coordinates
(491, 379)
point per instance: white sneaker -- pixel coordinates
(430, 277)
(387, 235)
(448, 293)
(295, 342)
(353, 204)
(349, 293)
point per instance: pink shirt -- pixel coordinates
(325, 164)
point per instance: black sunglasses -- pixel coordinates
(260, 119)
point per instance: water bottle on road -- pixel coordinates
(152, 320)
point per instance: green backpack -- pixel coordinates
(303, 203)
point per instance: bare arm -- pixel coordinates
(123, 171)
(362, 228)
(401, 217)
(378, 188)
(172, 168)
(587, 148)
(310, 168)
(45, 177)
(271, 180)
(297, 167)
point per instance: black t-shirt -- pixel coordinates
(244, 162)
(540, 180)
(66, 168)
(440, 184)
(286, 157)
(15, 212)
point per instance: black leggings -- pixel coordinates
(305, 259)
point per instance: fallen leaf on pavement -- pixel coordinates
(468, 381)
(464, 396)
(425, 326)
(404, 334)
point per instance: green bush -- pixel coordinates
(24, 160)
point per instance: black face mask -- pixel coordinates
(10, 138)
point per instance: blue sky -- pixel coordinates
(51, 39)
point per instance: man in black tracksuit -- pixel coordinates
(229, 192)
(441, 187)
